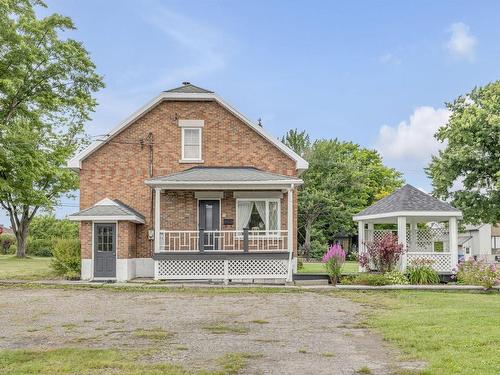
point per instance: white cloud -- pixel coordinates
(389, 58)
(461, 43)
(413, 139)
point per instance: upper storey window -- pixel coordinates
(191, 139)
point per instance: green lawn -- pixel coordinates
(29, 268)
(349, 266)
(106, 361)
(455, 333)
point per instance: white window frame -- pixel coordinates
(200, 137)
(268, 231)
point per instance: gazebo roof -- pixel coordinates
(408, 201)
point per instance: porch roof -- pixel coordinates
(235, 178)
(108, 209)
(411, 202)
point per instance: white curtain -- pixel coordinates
(261, 208)
(273, 216)
(244, 213)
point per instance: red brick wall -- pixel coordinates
(86, 239)
(118, 169)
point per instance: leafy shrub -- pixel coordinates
(300, 264)
(352, 256)
(48, 227)
(477, 272)
(318, 248)
(373, 279)
(396, 278)
(6, 241)
(420, 272)
(334, 259)
(382, 254)
(66, 261)
(40, 247)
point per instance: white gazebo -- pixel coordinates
(424, 225)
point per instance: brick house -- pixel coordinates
(188, 188)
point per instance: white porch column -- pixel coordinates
(402, 240)
(289, 210)
(361, 240)
(453, 240)
(157, 220)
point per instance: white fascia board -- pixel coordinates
(457, 214)
(132, 218)
(223, 186)
(75, 163)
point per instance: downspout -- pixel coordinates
(290, 210)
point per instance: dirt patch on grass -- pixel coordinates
(290, 333)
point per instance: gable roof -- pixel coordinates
(110, 209)
(187, 92)
(223, 177)
(189, 88)
(408, 199)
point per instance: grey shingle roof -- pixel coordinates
(118, 209)
(189, 88)
(407, 198)
(222, 174)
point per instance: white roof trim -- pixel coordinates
(76, 161)
(132, 218)
(106, 202)
(409, 214)
(225, 185)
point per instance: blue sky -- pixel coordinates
(374, 72)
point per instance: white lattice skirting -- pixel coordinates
(442, 261)
(221, 269)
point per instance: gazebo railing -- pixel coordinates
(429, 244)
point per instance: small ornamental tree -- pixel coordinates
(334, 259)
(382, 254)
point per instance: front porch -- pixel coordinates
(224, 224)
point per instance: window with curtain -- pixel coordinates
(258, 214)
(191, 144)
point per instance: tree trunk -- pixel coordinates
(21, 231)
(307, 240)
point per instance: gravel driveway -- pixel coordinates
(295, 333)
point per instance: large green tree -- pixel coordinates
(467, 171)
(343, 178)
(46, 87)
(297, 141)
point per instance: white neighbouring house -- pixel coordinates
(480, 241)
(426, 226)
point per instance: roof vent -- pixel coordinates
(186, 83)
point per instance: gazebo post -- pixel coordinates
(361, 240)
(402, 240)
(453, 240)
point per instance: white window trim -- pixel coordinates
(192, 160)
(266, 219)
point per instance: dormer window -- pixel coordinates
(191, 140)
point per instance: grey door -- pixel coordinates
(209, 220)
(104, 250)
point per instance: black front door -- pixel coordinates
(104, 250)
(209, 221)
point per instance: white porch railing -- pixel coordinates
(224, 240)
(422, 244)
